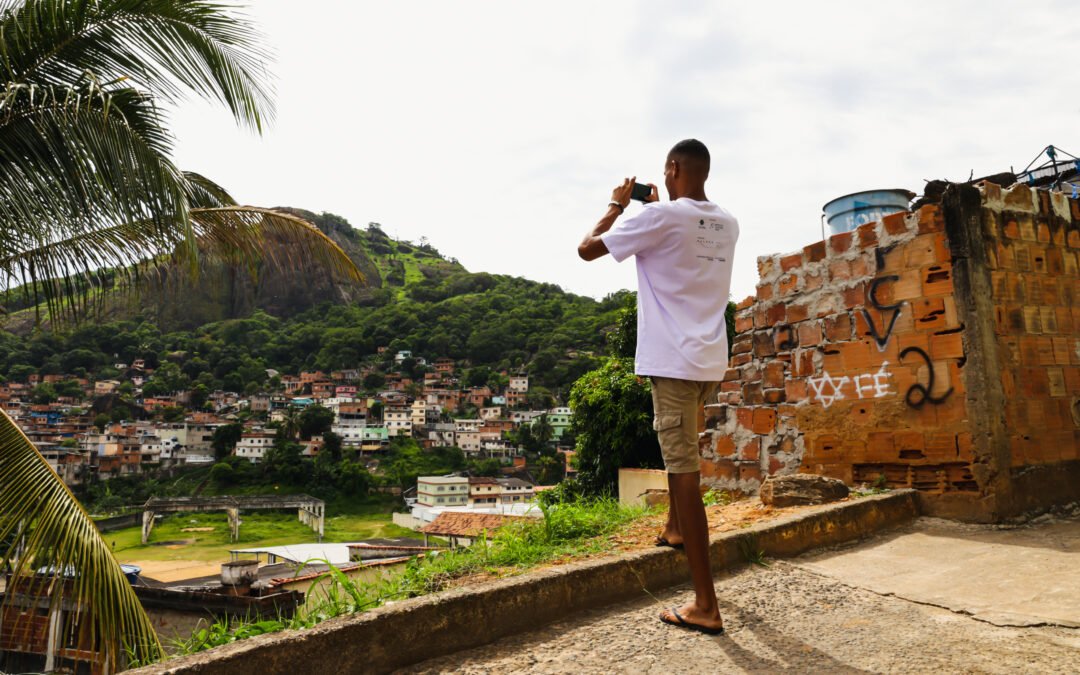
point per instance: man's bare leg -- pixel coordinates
(671, 532)
(694, 527)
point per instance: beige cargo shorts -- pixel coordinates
(676, 404)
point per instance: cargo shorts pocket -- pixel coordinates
(668, 427)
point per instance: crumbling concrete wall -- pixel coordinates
(878, 357)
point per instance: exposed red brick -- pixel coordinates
(774, 396)
(809, 333)
(812, 282)
(857, 356)
(855, 296)
(1011, 230)
(731, 374)
(746, 302)
(860, 267)
(879, 447)
(764, 421)
(724, 446)
(750, 471)
(895, 223)
(790, 262)
(722, 469)
(797, 313)
(908, 286)
(743, 322)
(764, 292)
(773, 377)
(839, 243)
(744, 417)
(948, 346)
(839, 270)
(867, 235)
(776, 314)
(795, 390)
(814, 252)
(752, 394)
(930, 219)
(765, 266)
(741, 359)
(802, 365)
(838, 327)
(787, 284)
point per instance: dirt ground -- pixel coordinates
(176, 570)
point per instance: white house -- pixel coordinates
(442, 491)
(253, 445)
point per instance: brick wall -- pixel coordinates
(936, 350)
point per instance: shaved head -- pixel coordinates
(693, 157)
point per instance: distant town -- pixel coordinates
(84, 438)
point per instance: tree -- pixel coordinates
(613, 425)
(315, 420)
(101, 420)
(373, 381)
(225, 439)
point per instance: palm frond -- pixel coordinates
(163, 46)
(56, 552)
(72, 158)
(204, 193)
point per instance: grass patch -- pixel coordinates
(565, 531)
(257, 528)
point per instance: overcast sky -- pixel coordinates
(498, 129)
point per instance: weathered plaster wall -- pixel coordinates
(885, 355)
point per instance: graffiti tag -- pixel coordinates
(918, 394)
(829, 389)
(881, 340)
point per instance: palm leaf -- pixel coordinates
(55, 549)
(162, 46)
(72, 158)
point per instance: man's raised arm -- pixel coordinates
(592, 246)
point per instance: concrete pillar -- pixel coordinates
(234, 523)
(147, 525)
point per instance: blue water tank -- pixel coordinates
(844, 214)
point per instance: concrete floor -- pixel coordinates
(934, 597)
(1025, 576)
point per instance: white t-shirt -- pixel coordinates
(684, 251)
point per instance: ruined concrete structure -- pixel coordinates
(938, 350)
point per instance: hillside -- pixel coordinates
(224, 331)
(228, 292)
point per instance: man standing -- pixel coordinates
(684, 250)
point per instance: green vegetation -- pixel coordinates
(496, 322)
(567, 530)
(187, 537)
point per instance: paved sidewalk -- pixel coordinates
(805, 616)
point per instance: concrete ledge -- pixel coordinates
(413, 630)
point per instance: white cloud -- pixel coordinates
(498, 129)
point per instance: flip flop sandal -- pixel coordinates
(683, 623)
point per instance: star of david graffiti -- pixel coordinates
(835, 384)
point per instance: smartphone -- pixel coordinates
(641, 192)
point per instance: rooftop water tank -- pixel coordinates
(844, 214)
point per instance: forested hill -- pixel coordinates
(415, 299)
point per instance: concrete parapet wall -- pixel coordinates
(415, 630)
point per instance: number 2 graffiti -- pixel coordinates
(918, 390)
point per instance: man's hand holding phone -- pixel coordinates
(630, 189)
